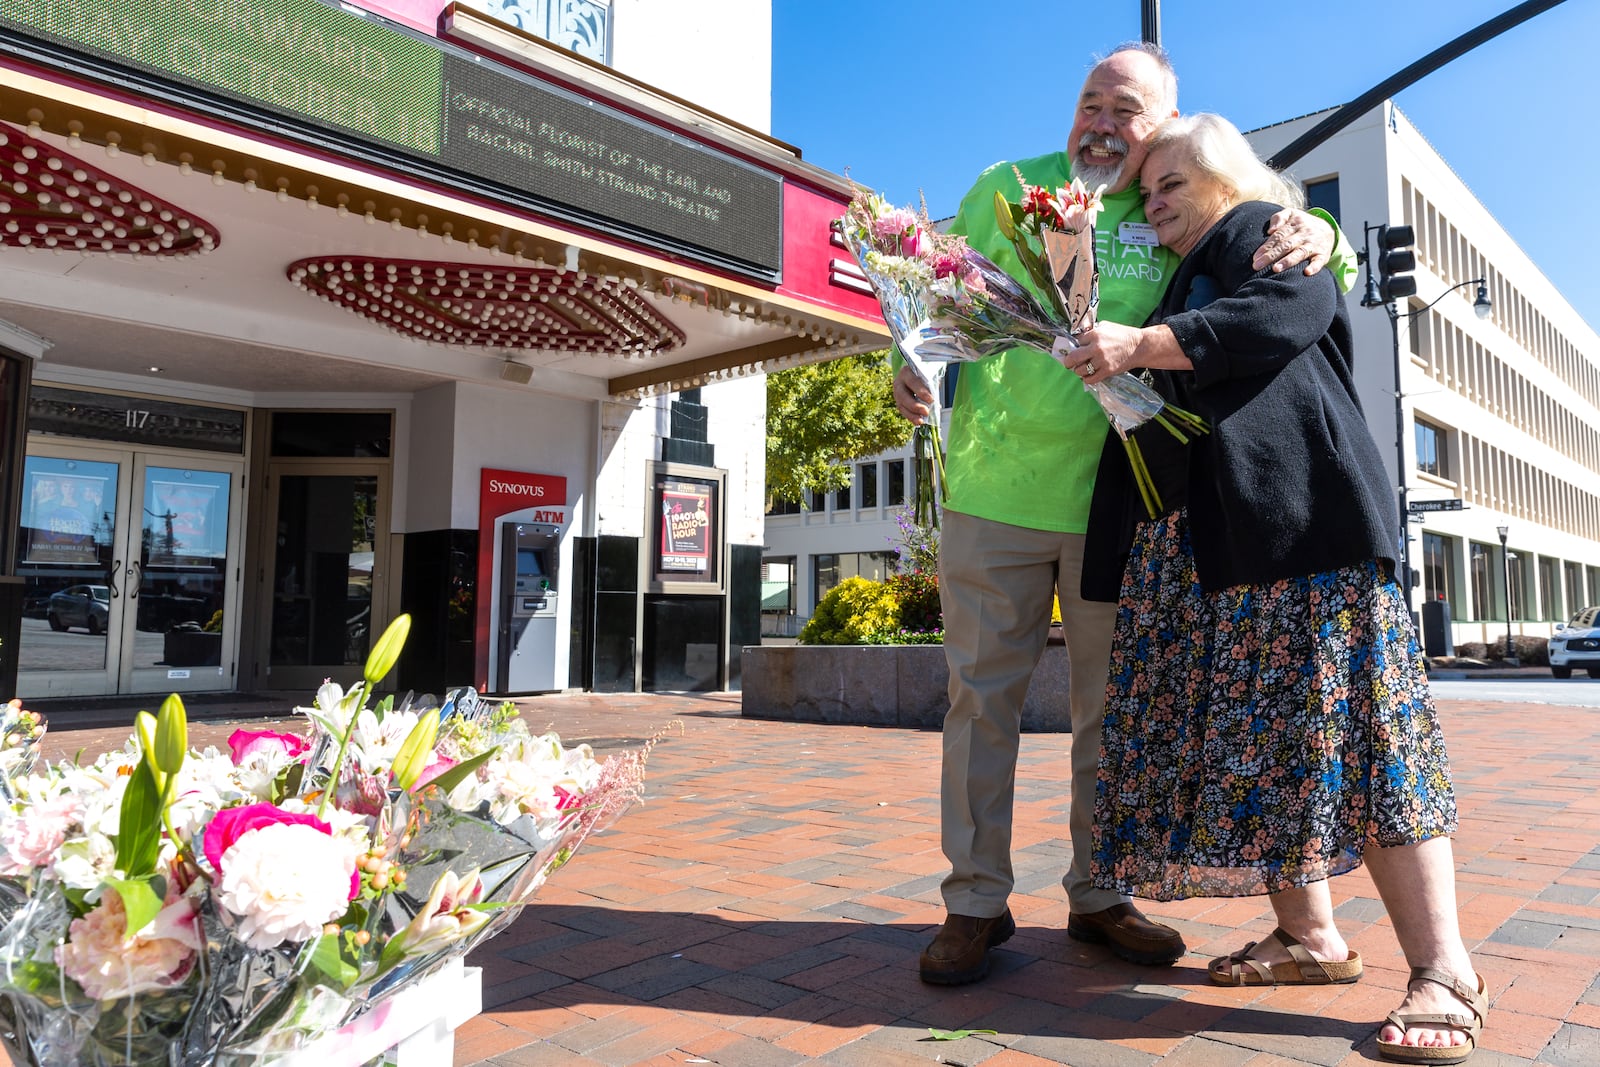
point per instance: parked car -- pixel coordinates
(80, 605)
(1577, 645)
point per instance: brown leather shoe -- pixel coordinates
(960, 952)
(1129, 934)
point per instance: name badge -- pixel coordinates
(1138, 233)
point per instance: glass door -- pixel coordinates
(71, 553)
(328, 565)
(182, 578)
(131, 571)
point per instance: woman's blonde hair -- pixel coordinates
(1220, 150)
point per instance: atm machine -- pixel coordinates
(530, 565)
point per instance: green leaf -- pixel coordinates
(139, 826)
(458, 774)
(955, 1035)
(336, 957)
(139, 899)
(288, 782)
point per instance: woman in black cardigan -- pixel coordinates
(1268, 723)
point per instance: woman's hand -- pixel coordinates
(1108, 349)
(1295, 237)
(1111, 348)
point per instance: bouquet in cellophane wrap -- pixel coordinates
(975, 309)
(895, 247)
(165, 905)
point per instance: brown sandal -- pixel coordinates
(1477, 1000)
(1301, 968)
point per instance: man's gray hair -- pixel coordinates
(1220, 150)
(1169, 77)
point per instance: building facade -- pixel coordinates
(311, 314)
(1498, 451)
(1493, 427)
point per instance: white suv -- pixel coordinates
(1577, 644)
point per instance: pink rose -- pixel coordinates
(230, 824)
(251, 744)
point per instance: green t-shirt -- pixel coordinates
(1025, 435)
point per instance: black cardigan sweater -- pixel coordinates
(1289, 481)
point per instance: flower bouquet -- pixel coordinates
(893, 246)
(165, 905)
(976, 309)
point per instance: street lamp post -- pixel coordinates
(1375, 297)
(1505, 570)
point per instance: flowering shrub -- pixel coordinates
(918, 596)
(165, 905)
(858, 611)
(851, 613)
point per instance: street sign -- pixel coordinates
(1434, 505)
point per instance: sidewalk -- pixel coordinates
(766, 904)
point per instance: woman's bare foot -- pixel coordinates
(1424, 997)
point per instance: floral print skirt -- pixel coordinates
(1259, 737)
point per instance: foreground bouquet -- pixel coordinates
(975, 309)
(894, 247)
(166, 905)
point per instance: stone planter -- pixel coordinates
(880, 685)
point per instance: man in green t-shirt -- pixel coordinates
(1023, 444)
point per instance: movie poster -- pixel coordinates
(61, 514)
(686, 528)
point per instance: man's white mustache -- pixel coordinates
(1110, 144)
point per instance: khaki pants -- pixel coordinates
(995, 583)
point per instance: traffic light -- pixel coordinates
(1396, 258)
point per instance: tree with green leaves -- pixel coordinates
(822, 417)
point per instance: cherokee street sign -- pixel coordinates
(1434, 505)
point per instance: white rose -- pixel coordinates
(285, 882)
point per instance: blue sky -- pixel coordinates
(923, 95)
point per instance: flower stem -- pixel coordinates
(332, 783)
(1141, 477)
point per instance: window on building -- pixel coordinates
(1431, 445)
(1517, 585)
(1594, 587)
(1574, 589)
(1549, 591)
(582, 26)
(783, 507)
(1439, 569)
(1485, 583)
(867, 484)
(1324, 194)
(819, 501)
(894, 482)
(830, 568)
(777, 585)
(841, 499)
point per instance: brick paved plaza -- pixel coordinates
(766, 904)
